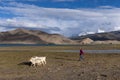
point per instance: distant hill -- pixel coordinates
(25, 36)
(33, 37)
(114, 35)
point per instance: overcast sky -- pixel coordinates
(66, 17)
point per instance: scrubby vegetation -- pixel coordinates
(60, 66)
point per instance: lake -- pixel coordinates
(89, 51)
(10, 45)
(74, 51)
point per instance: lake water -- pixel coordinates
(10, 45)
(90, 51)
(74, 51)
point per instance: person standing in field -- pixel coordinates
(81, 54)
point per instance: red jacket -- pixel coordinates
(81, 52)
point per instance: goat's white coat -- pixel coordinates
(38, 60)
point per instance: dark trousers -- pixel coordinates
(81, 57)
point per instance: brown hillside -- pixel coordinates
(33, 36)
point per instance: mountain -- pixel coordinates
(86, 41)
(33, 37)
(25, 36)
(114, 35)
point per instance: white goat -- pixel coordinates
(38, 61)
(43, 60)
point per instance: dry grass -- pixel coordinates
(60, 66)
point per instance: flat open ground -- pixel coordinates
(60, 65)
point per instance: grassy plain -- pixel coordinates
(60, 65)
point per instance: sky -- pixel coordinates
(66, 17)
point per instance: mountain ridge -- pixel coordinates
(25, 36)
(21, 35)
(113, 35)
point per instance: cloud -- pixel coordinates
(58, 20)
(117, 28)
(100, 31)
(106, 7)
